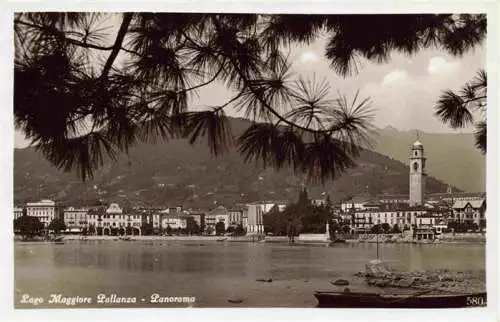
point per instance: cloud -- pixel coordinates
(308, 57)
(439, 65)
(394, 76)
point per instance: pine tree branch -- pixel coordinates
(127, 18)
(58, 33)
(246, 85)
(73, 41)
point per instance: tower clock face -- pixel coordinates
(415, 166)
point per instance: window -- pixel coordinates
(415, 166)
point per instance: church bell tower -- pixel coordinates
(417, 174)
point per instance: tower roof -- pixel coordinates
(418, 144)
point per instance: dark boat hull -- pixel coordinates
(374, 300)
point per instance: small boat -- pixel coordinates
(235, 301)
(418, 300)
(222, 239)
(338, 241)
(58, 238)
(126, 238)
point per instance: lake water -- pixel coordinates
(214, 272)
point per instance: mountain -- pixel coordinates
(451, 157)
(175, 172)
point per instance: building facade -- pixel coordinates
(235, 217)
(471, 212)
(174, 221)
(44, 210)
(219, 214)
(114, 221)
(75, 219)
(18, 212)
(255, 221)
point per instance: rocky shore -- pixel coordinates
(379, 275)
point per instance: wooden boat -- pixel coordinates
(58, 238)
(416, 300)
(126, 238)
(222, 239)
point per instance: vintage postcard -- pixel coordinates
(235, 159)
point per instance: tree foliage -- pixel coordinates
(219, 228)
(83, 92)
(461, 109)
(28, 226)
(57, 225)
(299, 217)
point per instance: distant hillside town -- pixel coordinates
(422, 214)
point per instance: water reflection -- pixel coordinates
(214, 271)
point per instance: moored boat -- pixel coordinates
(58, 238)
(126, 238)
(417, 300)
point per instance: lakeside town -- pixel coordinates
(416, 216)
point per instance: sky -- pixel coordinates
(403, 92)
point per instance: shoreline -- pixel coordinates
(249, 239)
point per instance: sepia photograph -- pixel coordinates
(249, 160)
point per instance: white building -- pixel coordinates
(266, 206)
(472, 211)
(255, 221)
(403, 218)
(235, 217)
(44, 210)
(115, 220)
(174, 221)
(219, 214)
(75, 219)
(356, 203)
(18, 212)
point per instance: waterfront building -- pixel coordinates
(356, 203)
(446, 197)
(75, 219)
(116, 222)
(219, 214)
(174, 221)
(471, 212)
(245, 218)
(94, 219)
(199, 218)
(267, 206)
(424, 233)
(404, 219)
(44, 210)
(18, 212)
(235, 217)
(255, 222)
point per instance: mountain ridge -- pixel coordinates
(175, 172)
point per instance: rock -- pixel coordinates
(340, 282)
(382, 283)
(347, 290)
(404, 283)
(376, 268)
